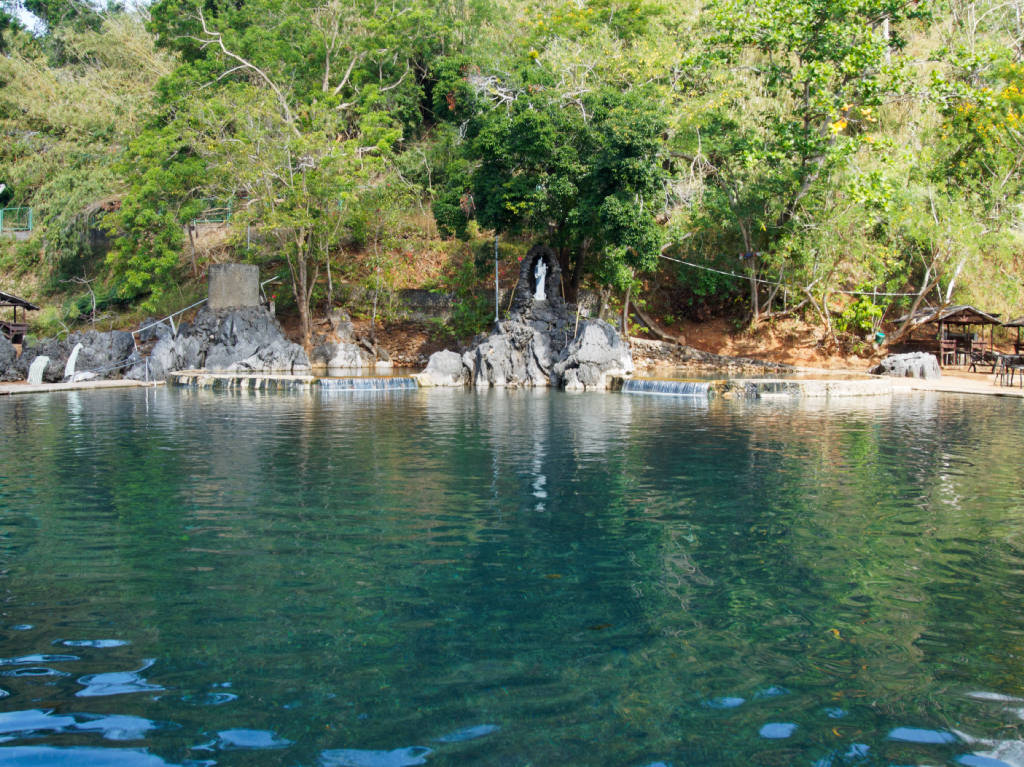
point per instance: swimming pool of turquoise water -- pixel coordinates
(521, 578)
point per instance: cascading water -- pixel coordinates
(695, 389)
(376, 384)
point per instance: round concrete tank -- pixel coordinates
(233, 285)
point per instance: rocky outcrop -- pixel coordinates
(445, 368)
(515, 355)
(57, 352)
(244, 340)
(335, 357)
(914, 365)
(103, 355)
(342, 351)
(9, 370)
(595, 355)
(538, 345)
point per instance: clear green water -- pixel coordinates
(515, 579)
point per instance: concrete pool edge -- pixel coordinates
(726, 388)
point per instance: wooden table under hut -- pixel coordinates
(960, 336)
(14, 330)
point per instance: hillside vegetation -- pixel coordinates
(841, 159)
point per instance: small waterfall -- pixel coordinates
(697, 389)
(381, 384)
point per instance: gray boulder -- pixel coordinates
(336, 357)
(443, 369)
(596, 354)
(914, 365)
(341, 324)
(9, 370)
(103, 354)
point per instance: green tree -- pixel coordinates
(784, 90)
(981, 147)
(9, 26)
(66, 124)
(587, 179)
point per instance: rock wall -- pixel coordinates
(244, 340)
(103, 355)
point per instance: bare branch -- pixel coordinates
(348, 73)
(216, 38)
(394, 85)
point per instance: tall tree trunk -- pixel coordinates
(748, 252)
(301, 287)
(192, 242)
(625, 313)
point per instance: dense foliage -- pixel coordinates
(825, 152)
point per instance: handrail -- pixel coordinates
(214, 214)
(171, 317)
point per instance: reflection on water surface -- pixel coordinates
(523, 578)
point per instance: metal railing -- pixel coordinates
(170, 319)
(15, 220)
(214, 214)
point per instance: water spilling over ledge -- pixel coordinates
(732, 388)
(667, 387)
(368, 383)
(759, 388)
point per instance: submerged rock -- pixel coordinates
(914, 365)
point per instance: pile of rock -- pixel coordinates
(913, 365)
(341, 350)
(102, 355)
(539, 345)
(242, 339)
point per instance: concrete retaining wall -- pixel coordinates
(762, 388)
(199, 379)
(234, 285)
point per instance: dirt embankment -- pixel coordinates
(410, 344)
